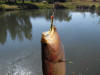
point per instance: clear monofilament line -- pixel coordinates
(52, 17)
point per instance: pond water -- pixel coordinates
(20, 36)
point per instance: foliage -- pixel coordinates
(45, 4)
(51, 1)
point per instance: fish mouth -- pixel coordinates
(49, 36)
(52, 46)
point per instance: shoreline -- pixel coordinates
(41, 5)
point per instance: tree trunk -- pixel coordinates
(23, 1)
(15, 1)
(32, 0)
(8, 1)
(94, 0)
(5, 1)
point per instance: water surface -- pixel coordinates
(20, 36)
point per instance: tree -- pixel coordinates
(61, 0)
(51, 1)
(38, 0)
(5, 1)
(8, 0)
(69, 0)
(23, 1)
(32, 0)
(94, 0)
(15, 1)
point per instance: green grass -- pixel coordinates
(41, 5)
(72, 5)
(9, 7)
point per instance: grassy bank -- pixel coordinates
(35, 5)
(73, 5)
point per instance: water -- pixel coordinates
(20, 36)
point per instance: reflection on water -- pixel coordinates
(17, 24)
(20, 35)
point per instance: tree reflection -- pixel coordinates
(98, 13)
(3, 33)
(17, 25)
(61, 15)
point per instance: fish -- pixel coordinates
(53, 57)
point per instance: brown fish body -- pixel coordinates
(53, 58)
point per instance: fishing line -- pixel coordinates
(52, 17)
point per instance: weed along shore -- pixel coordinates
(5, 6)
